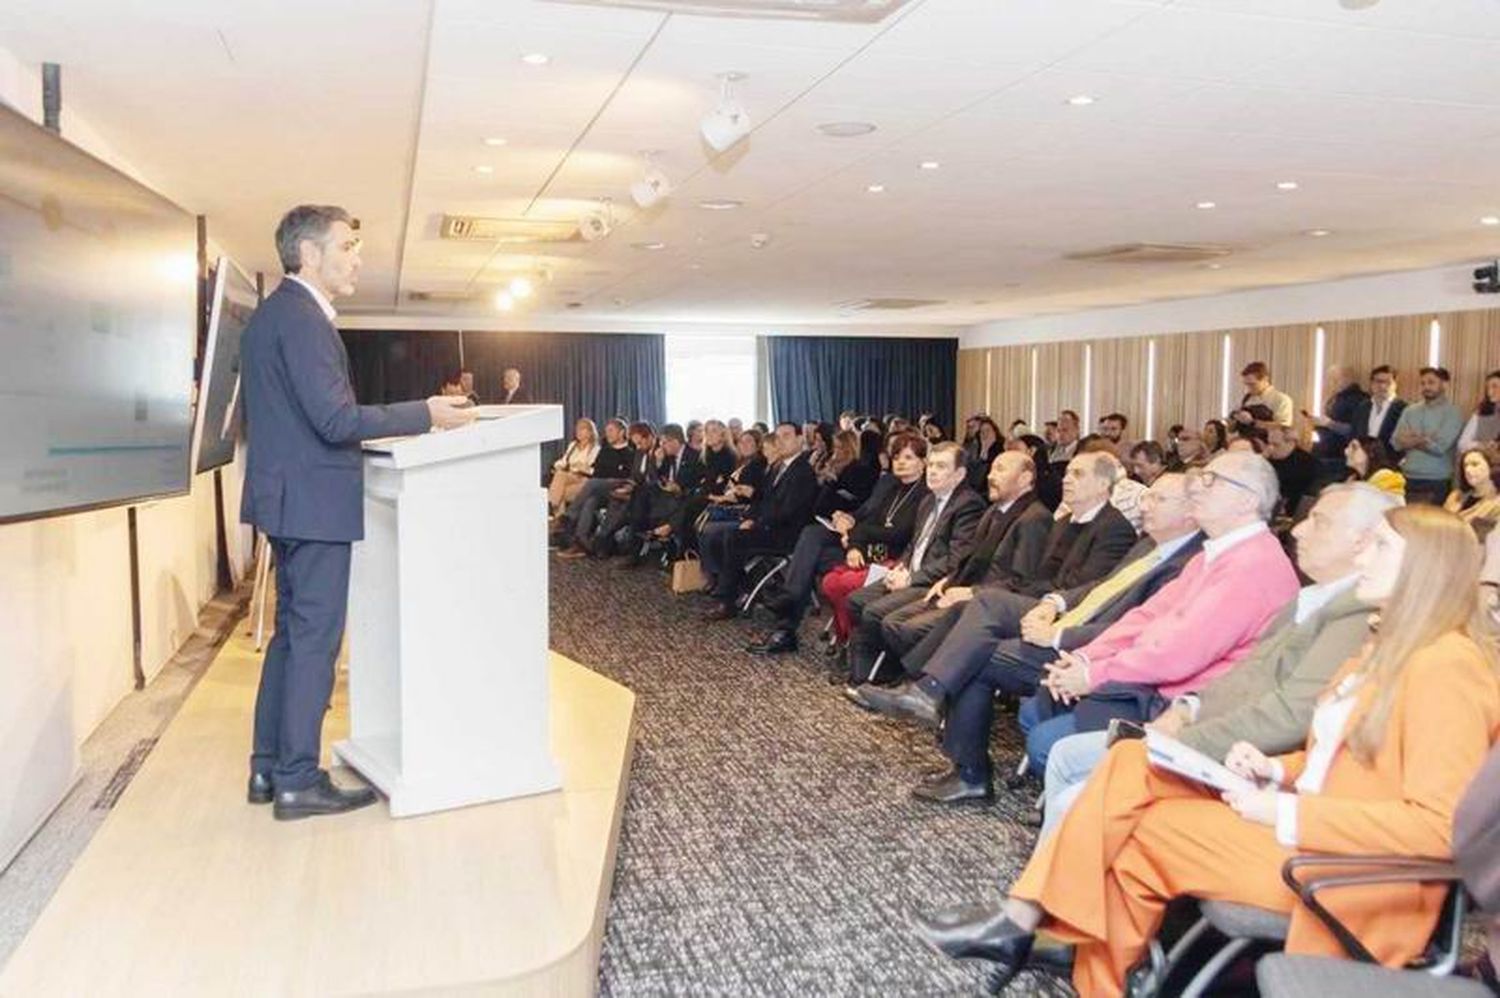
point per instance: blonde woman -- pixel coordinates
(570, 471)
(1397, 736)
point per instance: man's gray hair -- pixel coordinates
(306, 221)
(1367, 505)
(1256, 473)
(1104, 465)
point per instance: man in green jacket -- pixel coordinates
(1267, 699)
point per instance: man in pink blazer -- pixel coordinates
(1195, 627)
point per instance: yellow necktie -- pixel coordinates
(1109, 589)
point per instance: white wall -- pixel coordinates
(66, 637)
(1442, 289)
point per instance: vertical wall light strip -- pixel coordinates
(1434, 343)
(1320, 346)
(989, 384)
(1088, 388)
(1150, 390)
(1035, 426)
(1224, 376)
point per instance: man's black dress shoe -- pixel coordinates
(907, 702)
(721, 611)
(780, 642)
(980, 932)
(260, 791)
(952, 789)
(321, 797)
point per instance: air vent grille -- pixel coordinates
(1153, 253)
(857, 11)
(886, 304)
(508, 230)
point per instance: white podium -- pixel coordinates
(448, 666)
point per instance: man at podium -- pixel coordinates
(304, 487)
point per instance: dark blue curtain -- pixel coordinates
(817, 377)
(399, 365)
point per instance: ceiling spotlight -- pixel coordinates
(653, 185)
(1286, 185)
(930, 164)
(728, 122)
(653, 245)
(484, 168)
(876, 188)
(521, 288)
(846, 129)
(503, 301)
(596, 224)
(494, 141)
(1081, 100)
(1490, 220)
(536, 59)
(720, 204)
(1357, 4)
(1318, 233)
(760, 240)
(1206, 205)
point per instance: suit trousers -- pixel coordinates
(817, 551)
(869, 606)
(916, 633)
(1135, 839)
(1043, 732)
(725, 548)
(1013, 668)
(296, 677)
(585, 507)
(992, 616)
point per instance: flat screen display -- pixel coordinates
(216, 422)
(98, 293)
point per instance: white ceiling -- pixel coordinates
(1386, 118)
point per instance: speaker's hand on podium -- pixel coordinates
(450, 411)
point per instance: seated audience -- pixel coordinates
(1369, 460)
(945, 532)
(1148, 462)
(611, 467)
(1048, 475)
(1215, 438)
(1476, 500)
(844, 480)
(655, 506)
(726, 498)
(695, 435)
(1483, 427)
(1162, 648)
(597, 539)
(718, 455)
(1297, 471)
(1267, 699)
(570, 471)
(1400, 732)
(1067, 434)
(1112, 428)
(983, 655)
(781, 509)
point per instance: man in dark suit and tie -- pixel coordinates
(1377, 415)
(304, 487)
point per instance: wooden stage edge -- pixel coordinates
(188, 890)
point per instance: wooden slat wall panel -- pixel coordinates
(1010, 384)
(1398, 340)
(1188, 376)
(1470, 350)
(1059, 379)
(1118, 382)
(973, 389)
(1289, 352)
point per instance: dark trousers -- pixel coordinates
(1013, 667)
(725, 548)
(585, 508)
(918, 631)
(992, 616)
(817, 550)
(296, 677)
(869, 606)
(1431, 491)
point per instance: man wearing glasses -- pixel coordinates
(304, 486)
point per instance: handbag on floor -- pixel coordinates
(687, 575)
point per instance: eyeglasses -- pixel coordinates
(1205, 479)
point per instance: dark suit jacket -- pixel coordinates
(870, 519)
(689, 471)
(994, 527)
(1092, 554)
(1341, 410)
(521, 397)
(1144, 588)
(304, 470)
(783, 504)
(1019, 555)
(1360, 425)
(952, 537)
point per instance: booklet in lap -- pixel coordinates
(1166, 752)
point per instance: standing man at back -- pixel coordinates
(1427, 433)
(304, 487)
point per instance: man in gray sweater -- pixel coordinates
(1428, 433)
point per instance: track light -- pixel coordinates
(503, 301)
(597, 224)
(653, 185)
(521, 288)
(729, 122)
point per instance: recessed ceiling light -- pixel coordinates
(536, 59)
(1081, 100)
(494, 141)
(1205, 205)
(1318, 233)
(930, 164)
(1286, 185)
(876, 188)
(846, 129)
(1213, 266)
(521, 287)
(653, 245)
(484, 168)
(695, 266)
(503, 301)
(720, 204)
(1490, 220)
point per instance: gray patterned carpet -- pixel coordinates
(770, 846)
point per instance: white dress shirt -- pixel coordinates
(318, 296)
(1330, 719)
(1215, 546)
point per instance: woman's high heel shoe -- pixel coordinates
(978, 932)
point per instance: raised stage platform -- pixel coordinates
(188, 890)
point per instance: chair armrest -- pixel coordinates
(1373, 870)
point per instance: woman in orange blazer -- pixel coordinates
(1396, 738)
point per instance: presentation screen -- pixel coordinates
(98, 294)
(216, 424)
